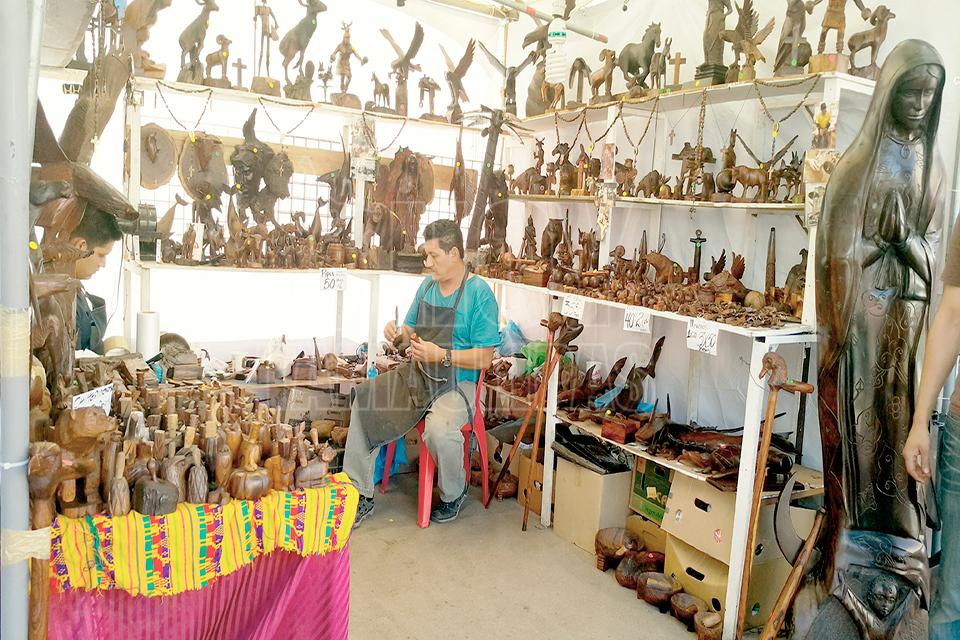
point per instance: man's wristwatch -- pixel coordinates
(447, 358)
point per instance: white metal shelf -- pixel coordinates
(773, 89)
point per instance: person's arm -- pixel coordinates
(940, 355)
(476, 358)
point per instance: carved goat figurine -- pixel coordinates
(191, 40)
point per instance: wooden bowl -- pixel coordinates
(657, 589)
(684, 607)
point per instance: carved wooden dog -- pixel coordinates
(80, 433)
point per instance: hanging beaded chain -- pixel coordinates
(784, 85)
(163, 98)
(283, 134)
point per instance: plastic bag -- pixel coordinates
(512, 340)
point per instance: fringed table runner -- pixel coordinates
(198, 543)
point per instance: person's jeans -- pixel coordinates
(945, 612)
(441, 435)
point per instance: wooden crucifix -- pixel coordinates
(677, 61)
(239, 66)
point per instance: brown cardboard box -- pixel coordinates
(587, 501)
(536, 494)
(701, 515)
(495, 466)
(706, 578)
(654, 538)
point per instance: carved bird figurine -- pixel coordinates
(404, 62)
(455, 74)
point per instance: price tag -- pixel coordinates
(702, 336)
(333, 279)
(364, 169)
(636, 320)
(573, 307)
(100, 397)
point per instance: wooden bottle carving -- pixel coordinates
(196, 479)
(153, 497)
(249, 482)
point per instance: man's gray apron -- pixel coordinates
(395, 401)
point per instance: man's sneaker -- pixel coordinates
(364, 508)
(448, 511)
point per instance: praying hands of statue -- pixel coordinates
(893, 225)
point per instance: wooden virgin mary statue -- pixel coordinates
(874, 265)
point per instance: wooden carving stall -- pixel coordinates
(875, 253)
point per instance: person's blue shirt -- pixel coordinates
(476, 324)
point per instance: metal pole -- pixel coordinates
(530, 11)
(20, 50)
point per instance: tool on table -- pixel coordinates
(776, 367)
(796, 549)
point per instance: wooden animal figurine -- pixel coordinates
(381, 93)
(588, 252)
(612, 544)
(281, 467)
(624, 174)
(191, 43)
(400, 68)
(153, 497)
(635, 58)
(80, 432)
(632, 394)
(312, 474)
(870, 39)
(685, 607)
(649, 186)
(568, 172)
(197, 479)
(657, 589)
(249, 481)
(509, 76)
(550, 238)
(296, 40)
(553, 94)
(454, 77)
(603, 77)
(579, 73)
(658, 66)
(219, 58)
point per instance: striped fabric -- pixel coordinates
(198, 543)
(281, 596)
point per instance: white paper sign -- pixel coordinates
(573, 307)
(333, 279)
(636, 319)
(364, 169)
(100, 397)
(702, 336)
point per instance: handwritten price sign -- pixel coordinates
(573, 307)
(702, 336)
(333, 279)
(100, 397)
(636, 320)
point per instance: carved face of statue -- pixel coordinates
(244, 174)
(914, 96)
(883, 595)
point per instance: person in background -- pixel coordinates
(452, 328)
(940, 356)
(97, 233)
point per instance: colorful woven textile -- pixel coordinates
(198, 543)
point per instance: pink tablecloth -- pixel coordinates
(281, 595)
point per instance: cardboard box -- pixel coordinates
(651, 486)
(654, 538)
(494, 464)
(706, 578)
(587, 501)
(701, 515)
(536, 493)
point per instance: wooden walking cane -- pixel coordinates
(541, 392)
(527, 485)
(776, 366)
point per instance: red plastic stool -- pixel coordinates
(428, 466)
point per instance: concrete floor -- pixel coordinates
(481, 577)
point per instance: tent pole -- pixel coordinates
(20, 28)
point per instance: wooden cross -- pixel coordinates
(239, 66)
(676, 62)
